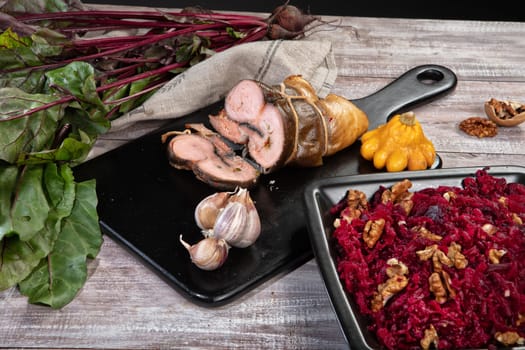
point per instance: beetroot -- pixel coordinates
(292, 18)
(484, 298)
(288, 22)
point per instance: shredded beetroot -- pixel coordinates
(484, 300)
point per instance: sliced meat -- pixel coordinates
(228, 128)
(221, 148)
(261, 127)
(276, 126)
(237, 172)
(293, 127)
(245, 101)
(186, 150)
(210, 159)
(267, 139)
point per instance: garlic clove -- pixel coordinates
(238, 223)
(252, 228)
(208, 209)
(231, 223)
(208, 254)
(231, 216)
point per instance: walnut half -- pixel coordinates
(509, 338)
(505, 113)
(396, 282)
(399, 194)
(437, 287)
(495, 255)
(372, 231)
(357, 203)
(480, 127)
(430, 338)
(439, 282)
(454, 253)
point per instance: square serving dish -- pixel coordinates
(321, 195)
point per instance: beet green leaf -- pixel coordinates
(34, 132)
(20, 257)
(58, 277)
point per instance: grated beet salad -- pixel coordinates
(437, 268)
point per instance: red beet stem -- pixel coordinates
(103, 15)
(162, 25)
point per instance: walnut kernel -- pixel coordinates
(430, 338)
(480, 127)
(505, 113)
(506, 109)
(448, 284)
(426, 233)
(489, 229)
(495, 255)
(454, 253)
(436, 286)
(520, 320)
(449, 195)
(396, 268)
(372, 231)
(398, 191)
(427, 253)
(396, 282)
(517, 219)
(356, 204)
(439, 259)
(399, 194)
(387, 290)
(509, 338)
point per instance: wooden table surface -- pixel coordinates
(125, 305)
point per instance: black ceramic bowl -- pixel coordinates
(321, 195)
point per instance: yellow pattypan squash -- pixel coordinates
(398, 144)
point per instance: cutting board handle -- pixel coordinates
(417, 86)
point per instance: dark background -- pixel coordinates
(499, 10)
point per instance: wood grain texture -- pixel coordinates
(125, 306)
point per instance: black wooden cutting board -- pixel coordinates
(146, 205)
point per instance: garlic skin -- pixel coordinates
(208, 254)
(208, 209)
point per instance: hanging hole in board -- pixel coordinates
(430, 76)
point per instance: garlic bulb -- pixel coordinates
(208, 254)
(231, 216)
